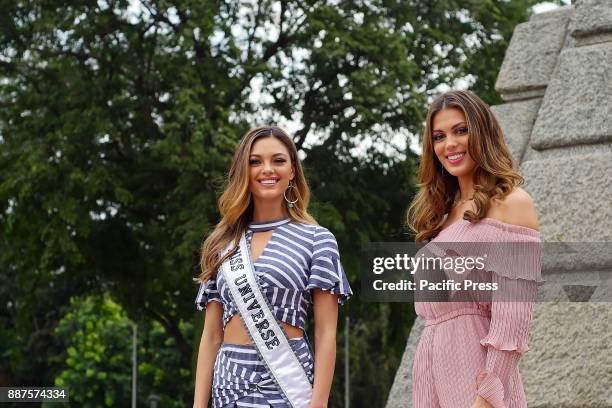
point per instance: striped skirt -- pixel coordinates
(242, 380)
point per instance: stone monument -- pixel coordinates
(556, 81)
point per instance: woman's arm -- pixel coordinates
(326, 322)
(212, 337)
(506, 342)
(511, 313)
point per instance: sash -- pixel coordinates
(265, 332)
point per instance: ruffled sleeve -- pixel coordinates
(507, 339)
(515, 268)
(206, 293)
(506, 250)
(326, 270)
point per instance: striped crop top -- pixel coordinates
(297, 259)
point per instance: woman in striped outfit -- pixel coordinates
(297, 266)
(470, 201)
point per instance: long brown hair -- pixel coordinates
(236, 203)
(495, 174)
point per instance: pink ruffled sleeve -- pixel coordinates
(506, 341)
(511, 319)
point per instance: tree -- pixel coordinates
(97, 338)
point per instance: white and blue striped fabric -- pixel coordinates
(241, 379)
(297, 259)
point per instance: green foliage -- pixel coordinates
(160, 369)
(117, 125)
(97, 338)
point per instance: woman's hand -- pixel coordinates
(480, 402)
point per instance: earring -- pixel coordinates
(289, 202)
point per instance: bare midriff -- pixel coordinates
(235, 333)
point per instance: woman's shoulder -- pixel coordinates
(322, 233)
(306, 230)
(315, 229)
(312, 232)
(324, 240)
(516, 208)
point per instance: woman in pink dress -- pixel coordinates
(470, 198)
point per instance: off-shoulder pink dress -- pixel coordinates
(472, 348)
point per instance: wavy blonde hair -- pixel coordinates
(236, 203)
(495, 174)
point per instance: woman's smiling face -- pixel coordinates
(450, 136)
(270, 169)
